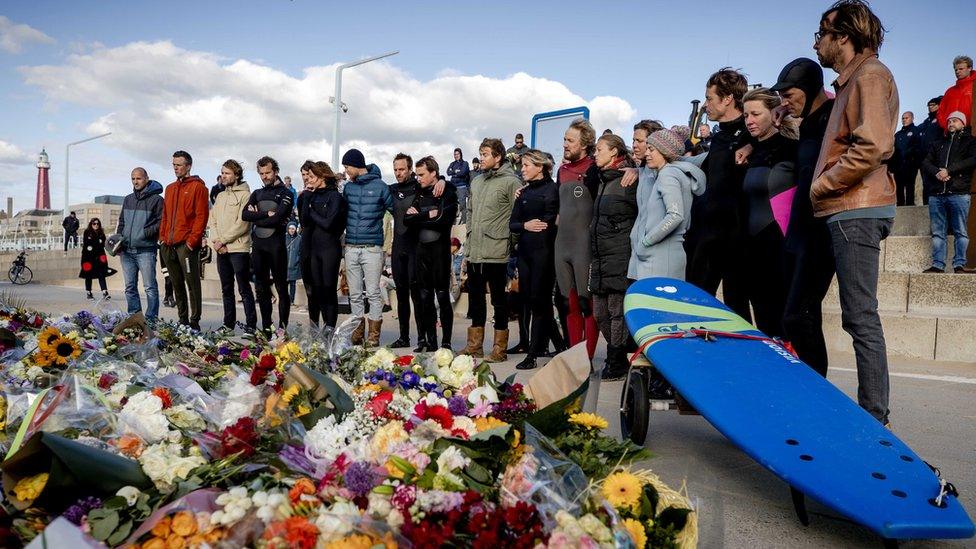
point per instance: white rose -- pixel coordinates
(130, 493)
(443, 357)
(463, 363)
(485, 393)
(142, 416)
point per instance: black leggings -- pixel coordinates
(320, 275)
(404, 264)
(269, 258)
(233, 266)
(767, 279)
(495, 277)
(810, 270)
(101, 284)
(536, 279)
(434, 279)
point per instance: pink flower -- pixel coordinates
(245, 353)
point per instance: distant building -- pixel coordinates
(40, 229)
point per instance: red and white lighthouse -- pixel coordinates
(43, 198)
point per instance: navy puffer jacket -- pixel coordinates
(368, 198)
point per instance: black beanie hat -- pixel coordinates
(804, 74)
(354, 159)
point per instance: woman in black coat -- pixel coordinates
(94, 262)
(614, 214)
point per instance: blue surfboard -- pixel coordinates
(788, 418)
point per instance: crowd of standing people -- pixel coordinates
(792, 187)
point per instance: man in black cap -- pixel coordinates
(930, 133)
(810, 258)
(368, 198)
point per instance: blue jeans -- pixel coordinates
(950, 210)
(134, 264)
(857, 249)
(462, 195)
(364, 264)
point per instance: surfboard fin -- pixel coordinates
(800, 506)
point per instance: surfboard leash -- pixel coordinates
(710, 335)
(945, 488)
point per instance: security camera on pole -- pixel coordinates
(336, 100)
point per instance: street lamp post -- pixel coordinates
(67, 160)
(340, 107)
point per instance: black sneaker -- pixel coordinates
(400, 343)
(90, 296)
(106, 296)
(528, 363)
(422, 347)
(934, 270)
(195, 326)
(516, 349)
(963, 270)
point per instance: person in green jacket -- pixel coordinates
(488, 247)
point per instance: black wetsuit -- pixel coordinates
(403, 256)
(269, 254)
(536, 260)
(434, 260)
(322, 214)
(714, 238)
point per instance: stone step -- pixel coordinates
(950, 295)
(912, 254)
(914, 335)
(912, 221)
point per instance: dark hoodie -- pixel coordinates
(141, 214)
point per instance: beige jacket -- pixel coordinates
(226, 223)
(851, 171)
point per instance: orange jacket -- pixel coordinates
(959, 97)
(185, 212)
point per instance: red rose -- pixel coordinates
(404, 360)
(378, 404)
(241, 437)
(268, 361)
(106, 380)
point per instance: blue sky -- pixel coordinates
(650, 57)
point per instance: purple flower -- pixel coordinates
(376, 376)
(223, 351)
(77, 512)
(458, 405)
(409, 379)
(294, 458)
(390, 378)
(430, 387)
(359, 478)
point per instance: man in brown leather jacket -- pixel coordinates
(852, 187)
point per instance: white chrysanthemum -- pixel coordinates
(452, 459)
(184, 417)
(328, 439)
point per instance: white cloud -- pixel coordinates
(158, 97)
(14, 36)
(12, 154)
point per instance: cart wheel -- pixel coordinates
(635, 408)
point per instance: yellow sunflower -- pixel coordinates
(43, 358)
(637, 532)
(589, 421)
(64, 349)
(47, 336)
(622, 489)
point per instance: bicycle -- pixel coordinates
(19, 272)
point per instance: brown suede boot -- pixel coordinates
(373, 339)
(498, 350)
(476, 343)
(359, 332)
